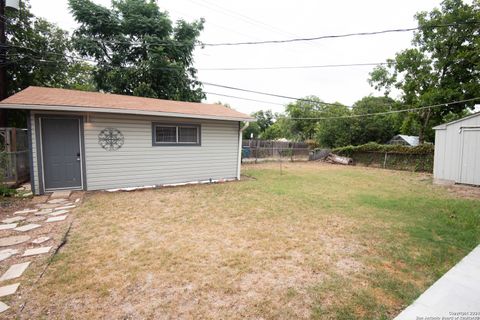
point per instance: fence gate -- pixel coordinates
(14, 156)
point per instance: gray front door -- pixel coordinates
(61, 153)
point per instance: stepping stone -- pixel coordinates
(3, 307)
(27, 227)
(40, 240)
(57, 213)
(24, 211)
(57, 201)
(10, 241)
(65, 207)
(34, 252)
(8, 290)
(43, 212)
(56, 219)
(7, 253)
(36, 219)
(13, 219)
(61, 194)
(47, 205)
(8, 226)
(15, 271)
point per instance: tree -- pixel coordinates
(442, 66)
(379, 128)
(281, 128)
(252, 131)
(300, 111)
(38, 55)
(336, 131)
(263, 120)
(137, 49)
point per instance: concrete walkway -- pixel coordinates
(456, 295)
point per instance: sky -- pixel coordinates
(254, 20)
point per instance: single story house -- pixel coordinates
(93, 141)
(405, 140)
(457, 151)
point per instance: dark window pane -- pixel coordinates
(166, 134)
(188, 134)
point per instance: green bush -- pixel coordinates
(6, 191)
(398, 157)
(382, 148)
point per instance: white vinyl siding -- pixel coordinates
(138, 163)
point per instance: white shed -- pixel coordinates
(457, 151)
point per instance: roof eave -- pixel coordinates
(444, 125)
(122, 111)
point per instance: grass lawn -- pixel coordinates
(319, 241)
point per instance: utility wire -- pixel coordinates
(267, 94)
(295, 67)
(334, 36)
(241, 98)
(345, 35)
(387, 112)
(209, 69)
(308, 100)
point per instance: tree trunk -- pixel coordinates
(423, 127)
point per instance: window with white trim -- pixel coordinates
(175, 134)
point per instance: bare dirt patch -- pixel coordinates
(464, 191)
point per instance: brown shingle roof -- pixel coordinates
(63, 99)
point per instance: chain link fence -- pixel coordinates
(396, 161)
(271, 150)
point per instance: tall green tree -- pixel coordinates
(264, 119)
(138, 50)
(379, 128)
(38, 54)
(442, 66)
(300, 111)
(336, 129)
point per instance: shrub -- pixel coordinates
(382, 148)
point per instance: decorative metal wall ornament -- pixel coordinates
(110, 139)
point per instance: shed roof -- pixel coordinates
(41, 98)
(411, 140)
(444, 125)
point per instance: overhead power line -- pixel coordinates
(267, 94)
(335, 36)
(39, 59)
(300, 39)
(295, 67)
(387, 112)
(241, 98)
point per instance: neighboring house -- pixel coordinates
(93, 141)
(405, 140)
(457, 151)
